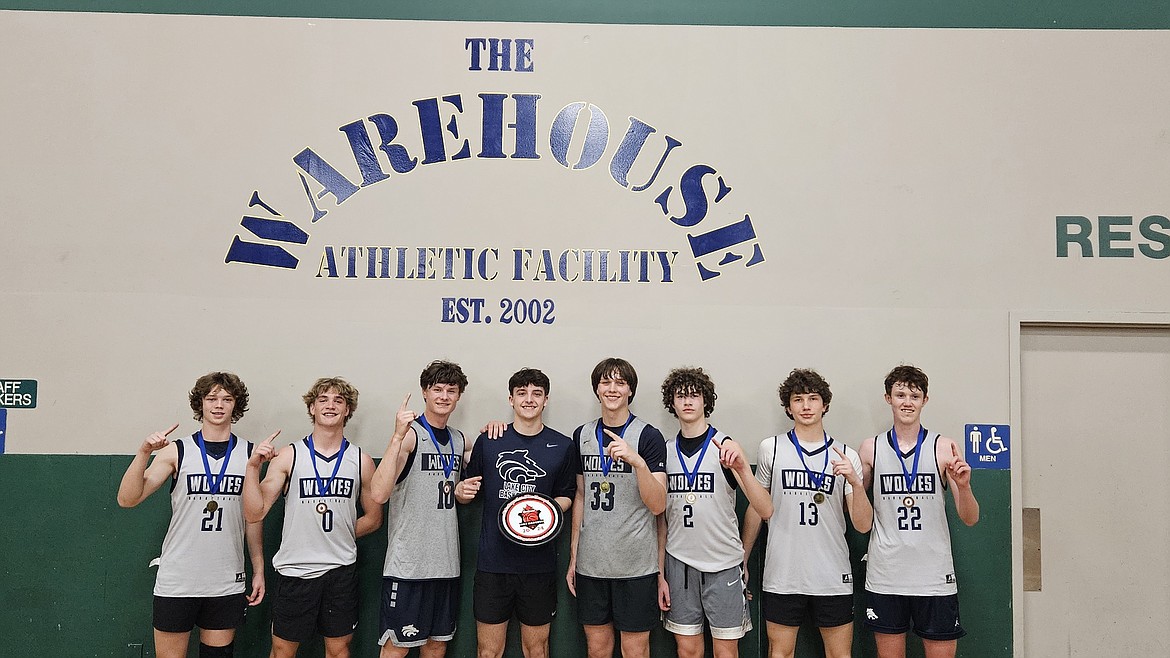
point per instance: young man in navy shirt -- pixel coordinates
(511, 578)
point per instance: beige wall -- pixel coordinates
(903, 185)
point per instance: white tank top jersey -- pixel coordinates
(910, 550)
(806, 548)
(320, 512)
(619, 536)
(203, 552)
(702, 530)
(422, 524)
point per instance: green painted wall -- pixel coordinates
(1078, 14)
(75, 580)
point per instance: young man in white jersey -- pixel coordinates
(418, 475)
(323, 476)
(201, 576)
(701, 565)
(621, 487)
(814, 480)
(910, 576)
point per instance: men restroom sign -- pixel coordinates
(989, 446)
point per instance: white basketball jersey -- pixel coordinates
(806, 549)
(203, 552)
(702, 530)
(910, 549)
(320, 513)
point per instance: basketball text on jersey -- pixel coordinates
(704, 483)
(800, 479)
(895, 483)
(232, 485)
(337, 487)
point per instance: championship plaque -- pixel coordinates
(531, 519)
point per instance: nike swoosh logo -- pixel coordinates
(550, 445)
(734, 583)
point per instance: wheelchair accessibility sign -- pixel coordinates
(989, 446)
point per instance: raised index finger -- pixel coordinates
(405, 401)
(272, 436)
(173, 428)
(838, 451)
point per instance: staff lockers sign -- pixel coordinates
(18, 393)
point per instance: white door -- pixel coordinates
(1095, 454)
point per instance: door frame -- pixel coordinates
(1018, 322)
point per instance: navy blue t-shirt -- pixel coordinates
(516, 463)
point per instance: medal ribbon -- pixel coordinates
(912, 474)
(693, 475)
(606, 460)
(323, 485)
(817, 478)
(448, 460)
(213, 484)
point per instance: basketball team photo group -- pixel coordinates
(661, 522)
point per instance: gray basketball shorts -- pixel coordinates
(719, 598)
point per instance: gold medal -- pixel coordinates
(605, 487)
(691, 498)
(322, 508)
(212, 506)
(448, 487)
(908, 501)
(819, 498)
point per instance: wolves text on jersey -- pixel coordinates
(794, 479)
(337, 487)
(231, 485)
(704, 483)
(895, 483)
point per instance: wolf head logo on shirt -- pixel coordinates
(518, 471)
(516, 466)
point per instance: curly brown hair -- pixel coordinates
(228, 382)
(343, 388)
(688, 380)
(911, 376)
(804, 380)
